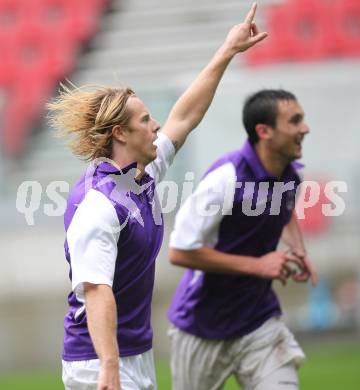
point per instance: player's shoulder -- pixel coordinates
(228, 164)
(95, 193)
(297, 167)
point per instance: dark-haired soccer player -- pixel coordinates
(225, 313)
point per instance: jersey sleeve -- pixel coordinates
(165, 156)
(92, 239)
(198, 220)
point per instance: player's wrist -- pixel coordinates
(227, 52)
(249, 266)
(110, 361)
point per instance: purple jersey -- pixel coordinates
(113, 237)
(232, 212)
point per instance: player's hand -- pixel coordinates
(109, 378)
(308, 270)
(277, 265)
(244, 35)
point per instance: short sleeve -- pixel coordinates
(198, 220)
(92, 239)
(165, 156)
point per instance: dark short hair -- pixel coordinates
(262, 107)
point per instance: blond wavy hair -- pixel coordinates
(89, 114)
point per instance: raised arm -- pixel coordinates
(189, 110)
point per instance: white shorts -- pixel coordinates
(270, 353)
(136, 373)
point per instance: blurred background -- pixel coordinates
(157, 47)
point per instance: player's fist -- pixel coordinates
(307, 271)
(277, 265)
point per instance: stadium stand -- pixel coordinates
(135, 46)
(311, 30)
(39, 40)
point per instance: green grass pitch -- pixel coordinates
(328, 367)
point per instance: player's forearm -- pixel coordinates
(101, 320)
(211, 260)
(292, 235)
(193, 104)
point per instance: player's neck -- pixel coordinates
(274, 163)
(123, 158)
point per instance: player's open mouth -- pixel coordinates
(299, 140)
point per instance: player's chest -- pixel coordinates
(263, 203)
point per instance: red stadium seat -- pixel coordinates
(59, 62)
(347, 28)
(8, 65)
(275, 47)
(83, 25)
(11, 18)
(26, 104)
(10, 13)
(282, 41)
(75, 20)
(39, 40)
(307, 28)
(16, 126)
(303, 30)
(46, 54)
(299, 30)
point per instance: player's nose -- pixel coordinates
(156, 126)
(305, 129)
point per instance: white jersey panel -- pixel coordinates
(165, 156)
(92, 239)
(197, 222)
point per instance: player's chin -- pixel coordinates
(296, 154)
(298, 151)
(153, 154)
(149, 157)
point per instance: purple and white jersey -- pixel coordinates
(232, 212)
(113, 236)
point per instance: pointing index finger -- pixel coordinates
(250, 16)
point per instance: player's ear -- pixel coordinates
(120, 133)
(264, 132)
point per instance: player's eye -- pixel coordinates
(296, 119)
